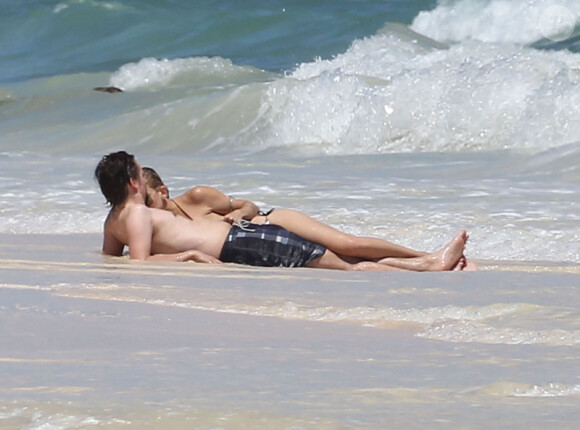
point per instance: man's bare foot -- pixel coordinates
(465, 266)
(461, 265)
(448, 258)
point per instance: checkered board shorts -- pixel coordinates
(268, 246)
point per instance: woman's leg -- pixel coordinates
(348, 245)
(450, 257)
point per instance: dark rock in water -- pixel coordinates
(108, 89)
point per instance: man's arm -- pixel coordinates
(196, 256)
(139, 230)
(216, 201)
(111, 245)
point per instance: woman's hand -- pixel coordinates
(241, 209)
(233, 216)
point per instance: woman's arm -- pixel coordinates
(216, 201)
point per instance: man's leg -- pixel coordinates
(329, 260)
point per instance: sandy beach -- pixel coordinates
(93, 342)
(405, 121)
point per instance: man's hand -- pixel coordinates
(198, 257)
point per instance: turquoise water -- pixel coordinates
(46, 38)
(41, 38)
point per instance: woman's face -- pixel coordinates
(155, 198)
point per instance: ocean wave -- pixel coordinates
(400, 92)
(455, 324)
(384, 317)
(397, 93)
(6, 96)
(394, 91)
(152, 73)
(499, 21)
(108, 5)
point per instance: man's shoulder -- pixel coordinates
(111, 219)
(135, 214)
(120, 216)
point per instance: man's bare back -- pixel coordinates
(134, 223)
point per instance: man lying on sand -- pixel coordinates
(159, 235)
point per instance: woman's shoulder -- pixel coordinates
(199, 194)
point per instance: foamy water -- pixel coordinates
(515, 207)
(511, 22)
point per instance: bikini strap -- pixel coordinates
(262, 213)
(182, 211)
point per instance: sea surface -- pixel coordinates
(405, 120)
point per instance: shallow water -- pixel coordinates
(515, 207)
(102, 343)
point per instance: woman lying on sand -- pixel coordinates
(207, 202)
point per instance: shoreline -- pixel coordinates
(59, 250)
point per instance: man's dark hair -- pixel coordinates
(113, 174)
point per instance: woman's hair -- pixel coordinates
(113, 174)
(152, 177)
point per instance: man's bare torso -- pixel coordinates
(168, 233)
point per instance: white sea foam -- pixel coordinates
(396, 91)
(463, 331)
(64, 5)
(516, 389)
(548, 390)
(373, 316)
(499, 20)
(59, 421)
(152, 73)
(389, 94)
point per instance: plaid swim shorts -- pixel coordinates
(269, 246)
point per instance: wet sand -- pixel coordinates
(103, 343)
